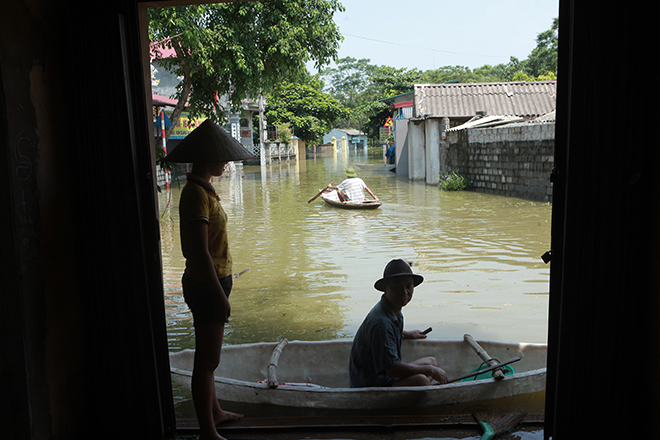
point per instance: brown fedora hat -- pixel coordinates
(208, 143)
(397, 268)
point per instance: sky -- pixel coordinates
(428, 34)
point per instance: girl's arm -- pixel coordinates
(201, 258)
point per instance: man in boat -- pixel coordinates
(375, 359)
(352, 189)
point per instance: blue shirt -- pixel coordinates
(376, 347)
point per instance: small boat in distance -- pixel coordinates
(315, 375)
(334, 201)
(376, 166)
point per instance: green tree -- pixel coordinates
(389, 81)
(358, 85)
(385, 82)
(309, 112)
(543, 59)
(349, 81)
(242, 48)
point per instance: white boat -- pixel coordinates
(315, 375)
(376, 166)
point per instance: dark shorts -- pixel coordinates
(383, 380)
(204, 304)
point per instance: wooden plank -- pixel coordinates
(349, 421)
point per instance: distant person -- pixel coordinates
(207, 279)
(353, 188)
(391, 153)
(375, 359)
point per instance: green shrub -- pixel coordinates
(453, 182)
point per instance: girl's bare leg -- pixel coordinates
(208, 344)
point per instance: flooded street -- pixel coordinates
(312, 267)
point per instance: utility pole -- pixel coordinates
(262, 129)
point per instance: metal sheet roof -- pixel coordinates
(526, 99)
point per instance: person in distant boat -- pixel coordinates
(352, 189)
(207, 279)
(375, 359)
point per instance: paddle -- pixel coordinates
(315, 197)
(236, 275)
(498, 374)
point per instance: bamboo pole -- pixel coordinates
(272, 366)
(497, 374)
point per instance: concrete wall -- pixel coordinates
(401, 135)
(511, 161)
(416, 150)
(432, 157)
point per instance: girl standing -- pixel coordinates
(207, 279)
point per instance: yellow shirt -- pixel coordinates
(199, 201)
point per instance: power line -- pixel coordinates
(422, 48)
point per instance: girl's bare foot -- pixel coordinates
(225, 416)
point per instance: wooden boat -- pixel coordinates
(365, 204)
(315, 375)
(376, 166)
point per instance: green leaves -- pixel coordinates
(243, 48)
(453, 182)
(309, 112)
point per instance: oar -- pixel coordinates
(314, 198)
(236, 275)
(486, 370)
(497, 374)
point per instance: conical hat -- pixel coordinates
(208, 143)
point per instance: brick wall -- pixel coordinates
(515, 160)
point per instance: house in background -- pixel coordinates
(402, 111)
(354, 138)
(454, 104)
(461, 102)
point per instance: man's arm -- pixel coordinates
(370, 193)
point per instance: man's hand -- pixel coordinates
(413, 334)
(439, 375)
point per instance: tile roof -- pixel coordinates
(526, 99)
(162, 100)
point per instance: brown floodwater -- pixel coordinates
(312, 267)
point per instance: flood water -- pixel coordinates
(312, 267)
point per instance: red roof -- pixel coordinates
(156, 50)
(161, 100)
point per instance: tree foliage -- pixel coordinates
(543, 59)
(308, 111)
(360, 86)
(241, 48)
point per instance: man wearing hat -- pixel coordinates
(207, 279)
(352, 188)
(375, 359)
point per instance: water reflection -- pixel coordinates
(312, 267)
